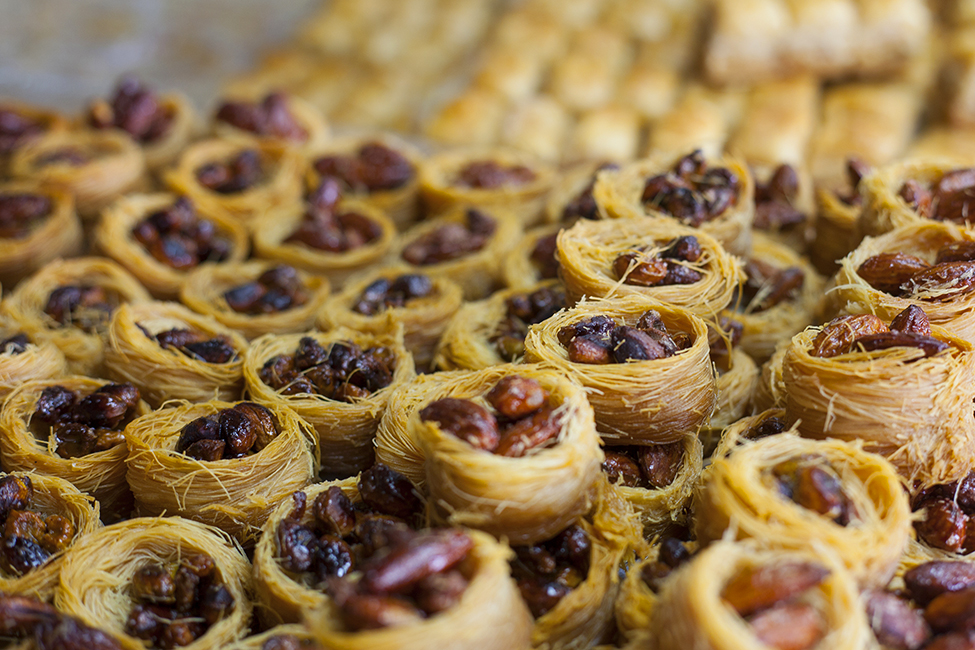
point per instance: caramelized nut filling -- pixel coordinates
(383, 294)
(521, 420)
(344, 372)
(85, 425)
(175, 606)
(600, 340)
(28, 540)
(521, 312)
(135, 109)
(373, 168)
(909, 329)
(277, 289)
(268, 117)
(21, 213)
(177, 237)
(692, 192)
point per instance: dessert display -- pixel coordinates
(469, 324)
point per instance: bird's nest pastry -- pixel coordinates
(788, 492)
(646, 366)
(69, 303)
(40, 225)
(905, 390)
(241, 180)
(715, 196)
(96, 167)
(382, 299)
(132, 561)
(43, 516)
(257, 297)
(159, 238)
(23, 360)
(276, 116)
(338, 381)
(497, 178)
(71, 427)
(655, 258)
(524, 468)
(223, 464)
(170, 352)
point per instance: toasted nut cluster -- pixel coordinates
(277, 289)
(672, 554)
(383, 294)
(899, 274)
(546, 572)
(178, 238)
(691, 192)
(341, 534)
(374, 168)
(236, 175)
(722, 339)
(196, 345)
(522, 419)
(15, 344)
(856, 169)
(176, 606)
(767, 286)
(583, 205)
(950, 199)
(948, 513)
(324, 228)
(87, 425)
(663, 268)
(810, 481)
(490, 175)
(80, 305)
(775, 200)
(345, 372)
(135, 109)
(21, 212)
(652, 468)
(910, 329)
(16, 129)
(28, 539)
(521, 312)
(769, 426)
(48, 628)
(600, 339)
(268, 117)
(933, 610)
(451, 240)
(231, 433)
(769, 598)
